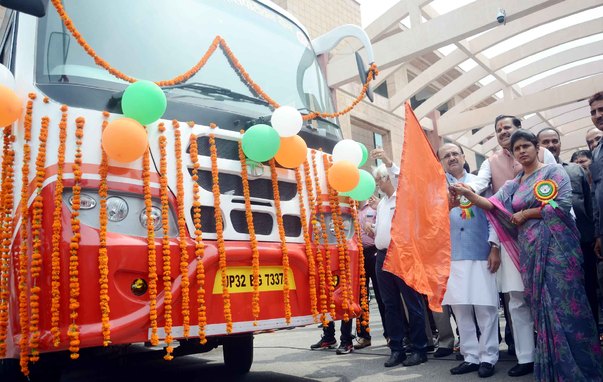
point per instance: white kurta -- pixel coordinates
(471, 283)
(508, 276)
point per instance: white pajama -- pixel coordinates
(486, 348)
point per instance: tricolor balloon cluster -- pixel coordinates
(281, 142)
(125, 139)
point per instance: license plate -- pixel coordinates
(240, 279)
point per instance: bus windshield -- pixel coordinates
(159, 40)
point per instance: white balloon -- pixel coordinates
(287, 121)
(349, 150)
(6, 77)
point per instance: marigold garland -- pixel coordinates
(36, 228)
(217, 42)
(182, 231)
(343, 257)
(308, 242)
(255, 253)
(152, 247)
(56, 232)
(281, 232)
(363, 287)
(199, 245)
(6, 214)
(165, 245)
(103, 257)
(316, 243)
(325, 239)
(219, 227)
(74, 282)
(23, 250)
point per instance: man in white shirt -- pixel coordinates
(390, 285)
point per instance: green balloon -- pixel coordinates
(365, 188)
(365, 154)
(144, 101)
(260, 143)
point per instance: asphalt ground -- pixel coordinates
(285, 356)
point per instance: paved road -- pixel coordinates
(283, 356)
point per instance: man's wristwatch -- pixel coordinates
(494, 245)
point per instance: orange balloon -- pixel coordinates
(10, 106)
(292, 151)
(124, 140)
(343, 176)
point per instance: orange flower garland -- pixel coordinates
(152, 248)
(344, 261)
(217, 42)
(165, 245)
(363, 287)
(6, 209)
(56, 232)
(199, 246)
(36, 227)
(255, 253)
(281, 232)
(325, 239)
(316, 243)
(182, 231)
(103, 258)
(23, 250)
(219, 227)
(74, 283)
(309, 252)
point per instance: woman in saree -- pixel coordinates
(531, 215)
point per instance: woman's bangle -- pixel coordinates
(523, 215)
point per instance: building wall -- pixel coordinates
(366, 118)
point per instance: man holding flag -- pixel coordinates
(412, 238)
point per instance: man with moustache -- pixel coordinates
(582, 206)
(596, 169)
(494, 172)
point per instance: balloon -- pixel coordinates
(287, 121)
(124, 140)
(365, 154)
(347, 150)
(144, 101)
(6, 77)
(343, 176)
(292, 152)
(10, 106)
(365, 188)
(260, 142)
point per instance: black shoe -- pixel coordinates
(485, 370)
(464, 368)
(521, 369)
(344, 348)
(324, 343)
(442, 352)
(511, 350)
(415, 358)
(459, 357)
(396, 358)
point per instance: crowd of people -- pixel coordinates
(526, 235)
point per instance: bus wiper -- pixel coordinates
(211, 90)
(207, 89)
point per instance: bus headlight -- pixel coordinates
(155, 217)
(117, 209)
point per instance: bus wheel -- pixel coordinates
(238, 353)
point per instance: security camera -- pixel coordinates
(501, 16)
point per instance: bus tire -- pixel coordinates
(238, 353)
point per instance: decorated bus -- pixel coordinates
(173, 175)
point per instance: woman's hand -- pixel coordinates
(494, 259)
(459, 189)
(519, 218)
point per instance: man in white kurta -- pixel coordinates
(471, 290)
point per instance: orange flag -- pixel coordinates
(419, 252)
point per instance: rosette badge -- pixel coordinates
(466, 211)
(546, 192)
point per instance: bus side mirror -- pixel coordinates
(363, 73)
(31, 7)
